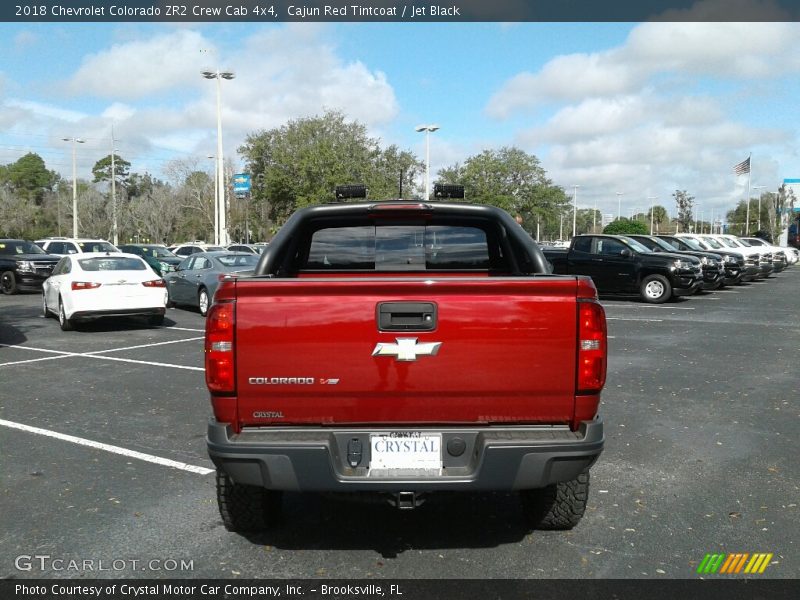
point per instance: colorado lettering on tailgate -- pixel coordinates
(281, 380)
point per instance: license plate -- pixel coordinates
(406, 450)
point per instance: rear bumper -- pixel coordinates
(494, 458)
(129, 312)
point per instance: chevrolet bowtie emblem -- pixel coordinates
(406, 349)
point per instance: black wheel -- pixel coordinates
(45, 312)
(558, 506)
(655, 289)
(66, 324)
(8, 282)
(246, 507)
(156, 320)
(203, 301)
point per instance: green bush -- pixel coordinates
(625, 226)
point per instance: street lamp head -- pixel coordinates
(430, 128)
(210, 74)
(227, 75)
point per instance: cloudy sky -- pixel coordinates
(641, 109)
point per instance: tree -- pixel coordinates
(586, 219)
(512, 180)
(660, 217)
(684, 201)
(303, 161)
(29, 178)
(102, 170)
(625, 226)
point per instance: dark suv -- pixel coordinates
(23, 266)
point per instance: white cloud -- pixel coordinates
(139, 68)
(718, 50)
(118, 112)
(659, 112)
(48, 111)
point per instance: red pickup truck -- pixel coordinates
(404, 348)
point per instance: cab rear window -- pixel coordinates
(398, 248)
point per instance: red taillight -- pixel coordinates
(84, 285)
(592, 347)
(155, 283)
(220, 372)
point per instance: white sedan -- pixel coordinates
(90, 286)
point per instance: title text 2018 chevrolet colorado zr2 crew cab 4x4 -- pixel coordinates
(620, 265)
(404, 348)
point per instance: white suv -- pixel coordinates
(61, 246)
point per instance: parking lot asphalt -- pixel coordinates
(702, 421)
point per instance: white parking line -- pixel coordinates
(626, 319)
(166, 462)
(95, 355)
(143, 346)
(185, 329)
(620, 305)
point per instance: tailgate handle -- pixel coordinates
(406, 316)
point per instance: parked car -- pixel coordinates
(193, 248)
(61, 246)
(194, 281)
(792, 254)
(90, 286)
(764, 255)
(156, 255)
(23, 266)
(252, 248)
(780, 259)
(734, 263)
(620, 265)
(711, 264)
(751, 258)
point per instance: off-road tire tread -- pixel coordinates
(559, 506)
(246, 507)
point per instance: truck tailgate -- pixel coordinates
(305, 351)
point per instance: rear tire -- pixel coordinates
(66, 324)
(45, 312)
(559, 506)
(246, 507)
(655, 289)
(157, 320)
(8, 283)
(203, 301)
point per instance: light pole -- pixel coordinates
(652, 206)
(75, 141)
(619, 205)
(594, 216)
(758, 187)
(222, 231)
(428, 129)
(115, 235)
(216, 201)
(574, 209)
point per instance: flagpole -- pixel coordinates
(749, 175)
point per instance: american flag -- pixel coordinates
(743, 167)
